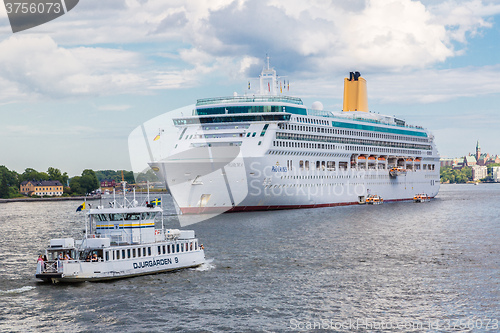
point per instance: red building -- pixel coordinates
(108, 183)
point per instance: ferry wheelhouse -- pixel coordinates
(121, 241)
(268, 151)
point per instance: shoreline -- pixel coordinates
(25, 199)
(96, 197)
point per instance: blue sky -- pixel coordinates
(73, 89)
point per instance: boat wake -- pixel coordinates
(17, 290)
(206, 266)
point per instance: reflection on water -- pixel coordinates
(276, 271)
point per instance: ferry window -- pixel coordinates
(107, 255)
(114, 255)
(168, 249)
(159, 249)
(318, 165)
(133, 253)
(254, 133)
(196, 246)
(116, 217)
(149, 250)
(301, 165)
(128, 253)
(123, 254)
(323, 165)
(138, 252)
(118, 255)
(307, 165)
(177, 248)
(191, 246)
(164, 249)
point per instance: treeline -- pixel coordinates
(450, 175)
(128, 176)
(89, 180)
(464, 175)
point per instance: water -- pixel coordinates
(430, 264)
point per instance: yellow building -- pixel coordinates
(42, 188)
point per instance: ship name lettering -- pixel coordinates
(152, 263)
(277, 168)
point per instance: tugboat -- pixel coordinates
(120, 241)
(374, 199)
(422, 197)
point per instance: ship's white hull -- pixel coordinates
(261, 183)
(80, 271)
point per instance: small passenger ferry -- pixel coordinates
(374, 200)
(121, 241)
(422, 197)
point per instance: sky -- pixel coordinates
(72, 90)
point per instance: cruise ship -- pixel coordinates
(267, 151)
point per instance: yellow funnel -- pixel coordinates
(355, 95)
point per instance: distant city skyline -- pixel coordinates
(73, 89)
(474, 152)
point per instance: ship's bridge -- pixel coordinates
(249, 104)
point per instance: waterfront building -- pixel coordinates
(108, 183)
(42, 188)
(479, 172)
(453, 162)
(495, 172)
(469, 161)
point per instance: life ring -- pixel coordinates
(93, 236)
(157, 232)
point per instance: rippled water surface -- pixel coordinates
(430, 264)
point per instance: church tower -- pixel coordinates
(478, 151)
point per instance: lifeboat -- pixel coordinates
(374, 200)
(421, 197)
(396, 171)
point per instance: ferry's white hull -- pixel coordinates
(80, 271)
(257, 183)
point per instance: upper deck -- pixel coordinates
(249, 99)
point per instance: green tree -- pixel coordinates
(88, 181)
(75, 186)
(32, 174)
(9, 182)
(55, 174)
(148, 176)
(4, 188)
(455, 176)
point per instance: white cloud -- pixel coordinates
(463, 17)
(429, 86)
(229, 38)
(37, 66)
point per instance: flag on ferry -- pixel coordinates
(157, 137)
(156, 202)
(82, 206)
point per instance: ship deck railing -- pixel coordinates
(48, 267)
(250, 99)
(330, 114)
